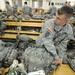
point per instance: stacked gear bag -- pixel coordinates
(7, 54)
(71, 60)
(71, 54)
(36, 59)
(22, 42)
(2, 26)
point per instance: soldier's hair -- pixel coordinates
(7, 2)
(25, 2)
(67, 10)
(52, 3)
(66, 2)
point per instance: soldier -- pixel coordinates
(52, 10)
(26, 9)
(9, 9)
(56, 33)
(66, 3)
(51, 43)
(15, 7)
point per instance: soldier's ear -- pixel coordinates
(68, 20)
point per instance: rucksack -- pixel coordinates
(23, 41)
(71, 59)
(2, 26)
(21, 44)
(38, 59)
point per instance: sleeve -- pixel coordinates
(45, 25)
(47, 37)
(49, 44)
(10, 9)
(62, 47)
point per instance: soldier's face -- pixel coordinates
(60, 19)
(6, 4)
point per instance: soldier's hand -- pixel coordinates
(58, 61)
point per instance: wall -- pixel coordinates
(58, 3)
(45, 3)
(2, 4)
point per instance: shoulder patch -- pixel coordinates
(50, 28)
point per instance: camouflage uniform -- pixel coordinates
(9, 10)
(49, 46)
(15, 7)
(52, 11)
(56, 41)
(27, 10)
(7, 54)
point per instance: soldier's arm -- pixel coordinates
(10, 8)
(47, 25)
(47, 37)
(62, 47)
(49, 45)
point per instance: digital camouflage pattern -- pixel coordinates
(50, 45)
(7, 54)
(38, 59)
(2, 26)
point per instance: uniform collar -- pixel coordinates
(58, 27)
